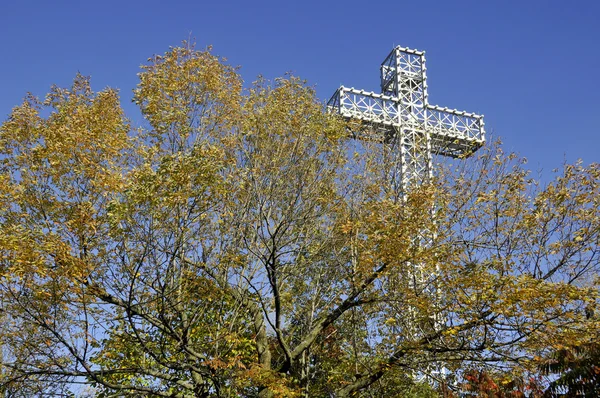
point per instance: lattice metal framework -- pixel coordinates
(401, 115)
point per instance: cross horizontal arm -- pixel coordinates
(453, 133)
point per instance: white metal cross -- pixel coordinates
(401, 115)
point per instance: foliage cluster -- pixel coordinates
(240, 245)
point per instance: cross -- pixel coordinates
(402, 115)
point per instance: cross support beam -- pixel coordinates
(453, 133)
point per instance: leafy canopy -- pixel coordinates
(239, 244)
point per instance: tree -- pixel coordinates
(241, 245)
(577, 368)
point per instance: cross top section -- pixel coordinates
(402, 111)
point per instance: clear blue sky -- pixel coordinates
(531, 66)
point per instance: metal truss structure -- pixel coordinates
(402, 118)
(401, 115)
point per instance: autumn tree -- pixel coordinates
(239, 244)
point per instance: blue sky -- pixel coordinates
(531, 66)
